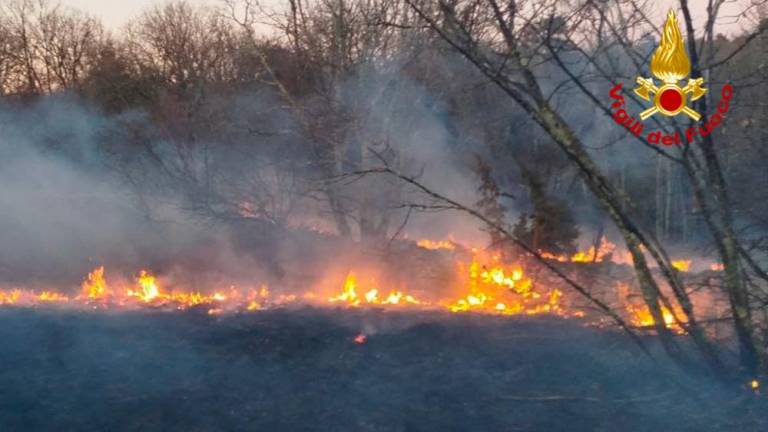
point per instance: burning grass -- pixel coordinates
(493, 347)
(482, 283)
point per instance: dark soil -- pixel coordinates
(300, 370)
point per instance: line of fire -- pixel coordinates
(383, 215)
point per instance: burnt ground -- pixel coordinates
(300, 370)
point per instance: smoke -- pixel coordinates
(228, 198)
(64, 211)
(79, 193)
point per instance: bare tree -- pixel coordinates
(599, 28)
(53, 48)
(187, 46)
(332, 42)
(504, 43)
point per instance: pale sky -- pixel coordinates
(116, 13)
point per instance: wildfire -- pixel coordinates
(682, 265)
(500, 290)
(604, 249)
(51, 296)
(486, 284)
(641, 317)
(436, 244)
(148, 290)
(95, 287)
(9, 297)
(350, 297)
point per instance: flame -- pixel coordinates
(52, 296)
(717, 267)
(641, 317)
(95, 287)
(349, 296)
(436, 244)
(360, 339)
(9, 297)
(349, 292)
(670, 62)
(754, 384)
(484, 285)
(682, 265)
(504, 290)
(148, 289)
(604, 249)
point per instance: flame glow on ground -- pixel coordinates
(604, 250)
(491, 287)
(486, 285)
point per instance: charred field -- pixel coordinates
(384, 216)
(301, 369)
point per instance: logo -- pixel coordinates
(670, 64)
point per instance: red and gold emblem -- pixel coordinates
(670, 64)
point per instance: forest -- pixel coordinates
(378, 208)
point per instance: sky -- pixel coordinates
(116, 13)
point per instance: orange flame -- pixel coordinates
(500, 290)
(350, 297)
(436, 244)
(604, 249)
(682, 265)
(95, 287)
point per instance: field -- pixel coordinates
(302, 370)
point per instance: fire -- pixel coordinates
(717, 267)
(95, 287)
(349, 293)
(52, 296)
(9, 297)
(148, 289)
(503, 290)
(484, 285)
(436, 244)
(360, 339)
(682, 265)
(350, 297)
(604, 249)
(641, 317)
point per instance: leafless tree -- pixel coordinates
(51, 48)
